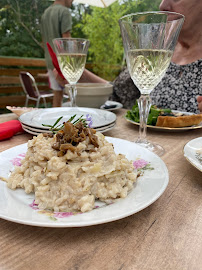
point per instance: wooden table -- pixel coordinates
(165, 235)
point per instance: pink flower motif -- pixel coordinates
(62, 214)
(16, 161)
(22, 155)
(33, 205)
(140, 163)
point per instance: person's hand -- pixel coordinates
(199, 100)
(59, 79)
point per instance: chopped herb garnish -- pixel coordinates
(54, 128)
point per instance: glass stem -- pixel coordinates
(73, 94)
(144, 104)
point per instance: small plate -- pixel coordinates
(37, 131)
(37, 118)
(111, 106)
(17, 206)
(167, 128)
(192, 154)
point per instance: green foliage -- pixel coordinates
(20, 30)
(102, 29)
(20, 27)
(78, 11)
(152, 117)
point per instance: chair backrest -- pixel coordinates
(29, 85)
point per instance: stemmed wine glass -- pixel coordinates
(149, 39)
(71, 54)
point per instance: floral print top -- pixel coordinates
(177, 90)
(124, 90)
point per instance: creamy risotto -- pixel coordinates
(71, 169)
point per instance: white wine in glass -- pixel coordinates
(72, 65)
(149, 39)
(147, 67)
(71, 55)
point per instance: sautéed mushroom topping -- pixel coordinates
(71, 135)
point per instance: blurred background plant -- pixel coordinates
(20, 30)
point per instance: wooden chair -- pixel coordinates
(31, 90)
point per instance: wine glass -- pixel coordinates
(71, 54)
(149, 39)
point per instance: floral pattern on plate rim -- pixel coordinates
(139, 164)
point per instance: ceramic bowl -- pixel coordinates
(92, 95)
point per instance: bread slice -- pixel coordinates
(179, 121)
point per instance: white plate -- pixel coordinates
(191, 152)
(107, 128)
(41, 130)
(32, 132)
(15, 204)
(111, 103)
(37, 131)
(167, 128)
(36, 118)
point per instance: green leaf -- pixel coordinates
(154, 112)
(55, 128)
(58, 120)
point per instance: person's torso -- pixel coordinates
(179, 87)
(55, 21)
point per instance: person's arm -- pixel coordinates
(66, 23)
(87, 77)
(199, 100)
(66, 34)
(59, 79)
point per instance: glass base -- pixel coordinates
(155, 148)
